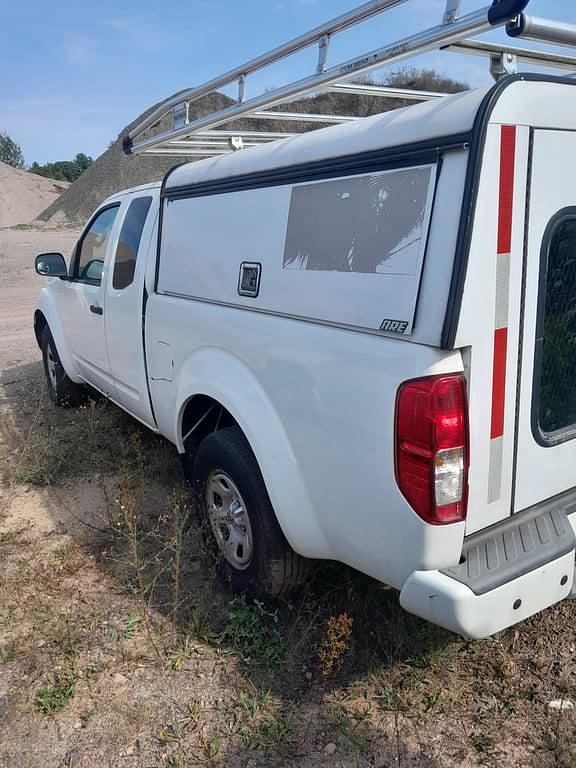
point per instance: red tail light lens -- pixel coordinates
(432, 447)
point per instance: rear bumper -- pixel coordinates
(434, 596)
(508, 573)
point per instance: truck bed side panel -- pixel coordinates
(317, 405)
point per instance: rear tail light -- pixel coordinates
(432, 447)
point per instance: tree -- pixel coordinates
(63, 170)
(83, 161)
(10, 151)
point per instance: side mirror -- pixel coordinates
(51, 265)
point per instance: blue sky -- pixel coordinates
(73, 73)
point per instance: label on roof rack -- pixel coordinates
(180, 115)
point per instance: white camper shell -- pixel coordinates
(362, 340)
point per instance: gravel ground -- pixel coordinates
(20, 285)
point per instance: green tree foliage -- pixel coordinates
(10, 151)
(63, 170)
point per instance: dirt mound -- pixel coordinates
(24, 195)
(114, 171)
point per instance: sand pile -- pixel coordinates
(24, 195)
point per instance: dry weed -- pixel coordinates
(334, 643)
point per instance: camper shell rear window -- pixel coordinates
(554, 400)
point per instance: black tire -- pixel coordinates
(61, 389)
(274, 569)
(188, 458)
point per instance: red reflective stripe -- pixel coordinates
(505, 211)
(507, 157)
(499, 382)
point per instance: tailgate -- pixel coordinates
(546, 416)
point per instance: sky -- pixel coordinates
(73, 73)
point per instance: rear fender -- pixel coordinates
(228, 380)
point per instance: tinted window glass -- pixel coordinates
(92, 251)
(557, 329)
(129, 242)
(372, 223)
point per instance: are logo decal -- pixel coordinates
(394, 326)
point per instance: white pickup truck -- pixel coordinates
(362, 340)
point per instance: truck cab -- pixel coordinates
(99, 308)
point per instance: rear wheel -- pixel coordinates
(238, 520)
(61, 389)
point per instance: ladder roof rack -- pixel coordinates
(169, 129)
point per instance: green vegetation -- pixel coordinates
(10, 151)
(53, 698)
(425, 80)
(63, 170)
(262, 723)
(253, 633)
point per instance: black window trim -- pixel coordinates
(564, 434)
(113, 265)
(72, 278)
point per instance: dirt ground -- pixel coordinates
(118, 647)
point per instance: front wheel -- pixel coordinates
(240, 526)
(61, 389)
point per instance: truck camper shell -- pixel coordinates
(448, 137)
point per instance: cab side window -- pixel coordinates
(129, 242)
(91, 251)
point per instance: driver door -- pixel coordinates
(82, 299)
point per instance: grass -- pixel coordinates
(7, 618)
(208, 679)
(69, 443)
(262, 723)
(131, 624)
(252, 631)
(52, 698)
(24, 227)
(8, 652)
(86, 717)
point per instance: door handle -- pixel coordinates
(96, 309)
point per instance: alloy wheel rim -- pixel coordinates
(229, 520)
(52, 366)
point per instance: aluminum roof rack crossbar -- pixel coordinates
(202, 136)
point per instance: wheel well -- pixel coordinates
(40, 323)
(203, 415)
